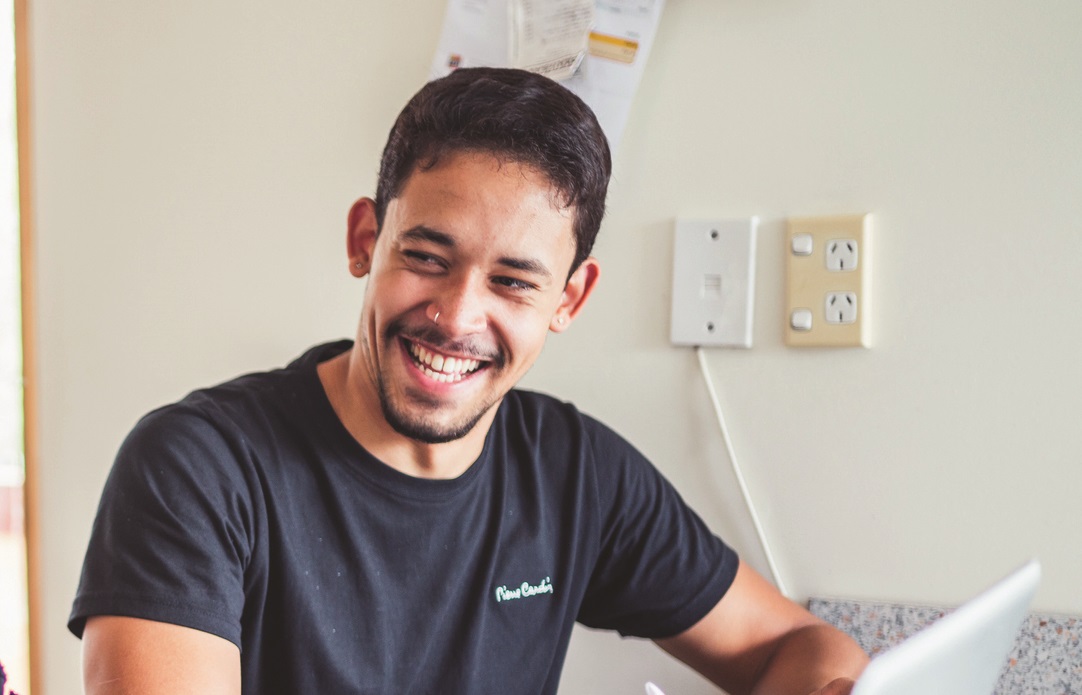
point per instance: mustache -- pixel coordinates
(431, 335)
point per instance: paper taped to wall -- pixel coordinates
(596, 48)
(550, 37)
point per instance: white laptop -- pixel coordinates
(962, 653)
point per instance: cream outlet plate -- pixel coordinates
(828, 270)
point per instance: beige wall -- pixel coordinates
(195, 161)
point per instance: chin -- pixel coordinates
(425, 429)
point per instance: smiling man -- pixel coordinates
(390, 515)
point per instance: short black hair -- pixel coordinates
(512, 114)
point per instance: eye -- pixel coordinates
(423, 261)
(514, 283)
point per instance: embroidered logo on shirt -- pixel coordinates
(524, 590)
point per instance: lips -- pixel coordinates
(440, 367)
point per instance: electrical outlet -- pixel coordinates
(829, 272)
(713, 287)
(841, 255)
(841, 307)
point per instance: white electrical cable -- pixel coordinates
(739, 475)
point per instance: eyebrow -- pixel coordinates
(526, 265)
(423, 233)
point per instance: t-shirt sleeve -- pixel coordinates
(660, 569)
(174, 529)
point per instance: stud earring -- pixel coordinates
(560, 320)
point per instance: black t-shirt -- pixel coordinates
(248, 511)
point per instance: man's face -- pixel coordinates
(467, 276)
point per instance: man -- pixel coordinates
(389, 515)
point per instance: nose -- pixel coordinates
(460, 308)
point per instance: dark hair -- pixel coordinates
(514, 115)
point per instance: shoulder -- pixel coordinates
(246, 406)
(190, 460)
(551, 420)
(534, 406)
(222, 428)
(563, 436)
(187, 446)
(216, 414)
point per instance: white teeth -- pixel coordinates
(442, 377)
(441, 368)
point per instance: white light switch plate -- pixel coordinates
(713, 287)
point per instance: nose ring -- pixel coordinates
(436, 318)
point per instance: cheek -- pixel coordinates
(390, 293)
(527, 334)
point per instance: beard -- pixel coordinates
(417, 416)
(425, 428)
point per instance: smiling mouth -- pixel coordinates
(440, 367)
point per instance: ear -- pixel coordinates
(578, 289)
(361, 236)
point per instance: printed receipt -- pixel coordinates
(550, 36)
(596, 48)
(545, 36)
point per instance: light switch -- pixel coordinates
(801, 320)
(803, 244)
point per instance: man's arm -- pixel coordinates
(757, 641)
(130, 656)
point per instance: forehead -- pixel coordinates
(478, 196)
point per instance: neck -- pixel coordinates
(355, 399)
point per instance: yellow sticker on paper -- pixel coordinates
(613, 48)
